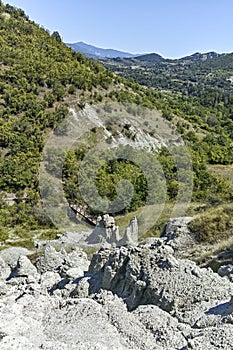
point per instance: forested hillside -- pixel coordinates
(199, 80)
(41, 78)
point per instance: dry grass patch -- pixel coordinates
(214, 224)
(224, 171)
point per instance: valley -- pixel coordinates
(193, 95)
(116, 193)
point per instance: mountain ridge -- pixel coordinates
(157, 58)
(92, 51)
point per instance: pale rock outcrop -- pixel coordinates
(75, 264)
(11, 255)
(131, 234)
(5, 269)
(151, 275)
(49, 279)
(178, 235)
(25, 268)
(105, 231)
(51, 260)
(130, 297)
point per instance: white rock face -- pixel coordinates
(25, 268)
(133, 297)
(150, 274)
(5, 269)
(11, 255)
(105, 231)
(131, 233)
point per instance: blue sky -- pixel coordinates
(172, 28)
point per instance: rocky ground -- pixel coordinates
(128, 297)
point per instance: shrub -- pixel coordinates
(3, 234)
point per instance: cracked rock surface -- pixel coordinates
(127, 298)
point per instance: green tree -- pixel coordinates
(56, 36)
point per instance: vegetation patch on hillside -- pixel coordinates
(214, 224)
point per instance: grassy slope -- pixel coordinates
(224, 171)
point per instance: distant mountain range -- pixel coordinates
(100, 53)
(97, 53)
(206, 78)
(153, 58)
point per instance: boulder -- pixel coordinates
(226, 270)
(51, 260)
(75, 264)
(49, 280)
(177, 234)
(25, 268)
(11, 255)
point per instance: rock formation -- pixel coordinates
(131, 234)
(105, 231)
(128, 297)
(177, 232)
